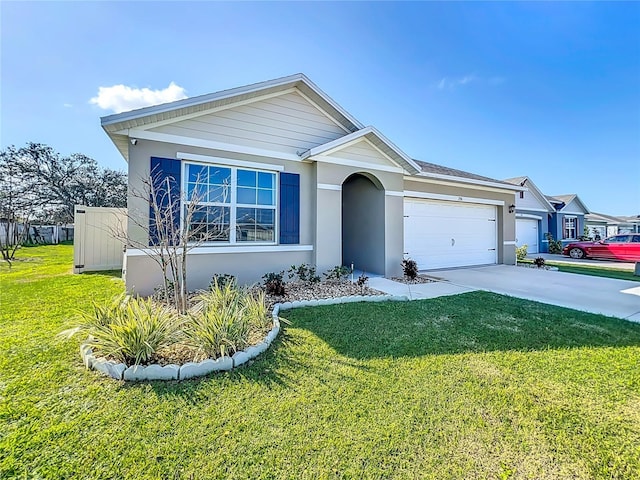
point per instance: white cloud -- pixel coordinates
(450, 83)
(121, 98)
(67, 105)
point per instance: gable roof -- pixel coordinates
(115, 124)
(601, 217)
(376, 138)
(630, 218)
(566, 200)
(525, 181)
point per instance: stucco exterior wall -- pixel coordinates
(142, 274)
(321, 220)
(139, 164)
(328, 241)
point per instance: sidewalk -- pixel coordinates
(418, 291)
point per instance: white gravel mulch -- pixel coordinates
(417, 280)
(531, 265)
(316, 291)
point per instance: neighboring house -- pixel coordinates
(601, 226)
(293, 178)
(567, 222)
(629, 224)
(533, 212)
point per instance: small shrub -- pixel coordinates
(167, 296)
(521, 252)
(221, 280)
(410, 269)
(304, 273)
(130, 329)
(362, 282)
(274, 283)
(339, 273)
(555, 246)
(585, 237)
(539, 262)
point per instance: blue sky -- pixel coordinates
(549, 90)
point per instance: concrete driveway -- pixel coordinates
(616, 298)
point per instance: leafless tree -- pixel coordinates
(17, 207)
(177, 223)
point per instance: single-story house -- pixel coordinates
(629, 224)
(601, 226)
(607, 225)
(567, 221)
(294, 178)
(533, 212)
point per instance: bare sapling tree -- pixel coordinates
(177, 223)
(18, 204)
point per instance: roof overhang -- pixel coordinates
(377, 139)
(472, 181)
(531, 186)
(117, 125)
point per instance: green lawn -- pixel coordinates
(472, 386)
(596, 271)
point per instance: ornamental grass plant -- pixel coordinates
(225, 320)
(129, 329)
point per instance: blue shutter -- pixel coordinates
(165, 179)
(289, 208)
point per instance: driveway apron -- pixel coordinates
(607, 296)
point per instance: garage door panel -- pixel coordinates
(446, 234)
(527, 234)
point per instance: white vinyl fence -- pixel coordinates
(98, 238)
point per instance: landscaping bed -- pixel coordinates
(316, 291)
(531, 265)
(132, 338)
(415, 281)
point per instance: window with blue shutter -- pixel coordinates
(164, 218)
(289, 208)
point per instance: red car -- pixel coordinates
(619, 247)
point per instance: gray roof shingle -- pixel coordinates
(442, 170)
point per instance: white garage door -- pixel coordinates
(527, 234)
(447, 234)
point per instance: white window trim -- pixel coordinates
(219, 161)
(575, 227)
(232, 205)
(220, 249)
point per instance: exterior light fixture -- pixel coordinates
(512, 208)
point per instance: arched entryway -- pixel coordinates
(363, 222)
